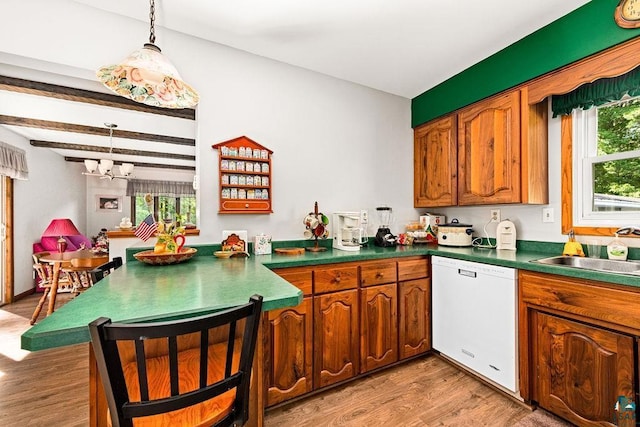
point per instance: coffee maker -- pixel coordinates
(384, 237)
(350, 230)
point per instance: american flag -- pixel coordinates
(146, 228)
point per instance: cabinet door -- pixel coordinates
(336, 337)
(582, 370)
(415, 317)
(378, 326)
(289, 351)
(435, 164)
(489, 151)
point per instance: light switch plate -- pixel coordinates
(547, 215)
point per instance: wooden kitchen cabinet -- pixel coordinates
(347, 325)
(378, 326)
(414, 297)
(581, 369)
(290, 367)
(578, 343)
(289, 348)
(489, 151)
(435, 163)
(336, 337)
(414, 302)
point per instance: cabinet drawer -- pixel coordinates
(335, 278)
(586, 298)
(413, 269)
(302, 278)
(377, 273)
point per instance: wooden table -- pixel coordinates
(82, 259)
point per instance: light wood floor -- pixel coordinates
(51, 388)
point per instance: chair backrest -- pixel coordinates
(43, 270)
(131, 396)
(99, 272)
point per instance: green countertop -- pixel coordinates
(138, 292)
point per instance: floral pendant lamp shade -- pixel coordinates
(148, 77)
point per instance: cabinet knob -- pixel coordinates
(379, 275)
(247, 206)
(337, 279)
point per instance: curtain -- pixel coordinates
(13, 162)
(597, 93)
(136, 187)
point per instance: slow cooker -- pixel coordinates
(455, 234)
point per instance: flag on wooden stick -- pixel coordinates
(146, 228)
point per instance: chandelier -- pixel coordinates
(148, 77)
(104, 167)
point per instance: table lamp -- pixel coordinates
(61, 227)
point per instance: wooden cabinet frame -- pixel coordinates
(607, 321)
(242, 197)
(352, 321)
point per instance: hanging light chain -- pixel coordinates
(152, 19)
(111, 126)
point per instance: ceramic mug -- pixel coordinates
(307, 234)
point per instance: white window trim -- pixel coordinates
(585, 155)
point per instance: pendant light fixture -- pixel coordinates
(148, 77)
(104, 167)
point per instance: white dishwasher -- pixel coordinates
(474, 316)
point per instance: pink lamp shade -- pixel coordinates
(61, 227)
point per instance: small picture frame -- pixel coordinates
(106, 203)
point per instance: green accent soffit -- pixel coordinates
(584, 32)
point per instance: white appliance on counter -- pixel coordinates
(350, 230)
(474, 315)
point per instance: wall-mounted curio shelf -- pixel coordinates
(245, 176)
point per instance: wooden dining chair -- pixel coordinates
(44, 273)
(105, 269)
(187, 372)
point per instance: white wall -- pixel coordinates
(38, 201)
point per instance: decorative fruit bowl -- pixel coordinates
(149, 257)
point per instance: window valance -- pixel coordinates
(13, 162)
(137, 187)
(597, 93)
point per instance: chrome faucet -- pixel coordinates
(624, 231)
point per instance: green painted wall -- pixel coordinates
(583, 32)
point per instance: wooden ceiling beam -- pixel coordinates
(93, 130)
(81, 95)
(125, 151)
(140, 164)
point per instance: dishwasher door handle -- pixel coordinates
(467, 273)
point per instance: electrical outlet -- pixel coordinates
(495, 215)
(547, 215)
(364, 217)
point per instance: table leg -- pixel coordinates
(54, 288)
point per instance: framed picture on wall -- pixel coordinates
(108, 203)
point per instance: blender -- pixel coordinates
(384, 237)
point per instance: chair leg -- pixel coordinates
(36, 312)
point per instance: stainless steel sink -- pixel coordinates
(607, 265)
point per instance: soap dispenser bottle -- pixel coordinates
(617, 249)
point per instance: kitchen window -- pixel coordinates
(171, 200)
(606, 164)
(600, 154)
